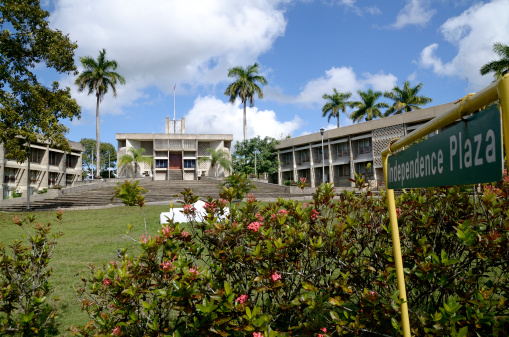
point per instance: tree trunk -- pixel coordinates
(338, 119)
(97, 140)
(245, 123)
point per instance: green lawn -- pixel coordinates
(90, 237)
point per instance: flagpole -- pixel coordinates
(174, 101)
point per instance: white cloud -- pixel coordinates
(473, 33)
(160, 42)
(415, 12)
(211, 115)
(343, 79)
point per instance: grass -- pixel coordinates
(90, 237)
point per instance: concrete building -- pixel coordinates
(175, 154)
(348, 149)
(49, 167)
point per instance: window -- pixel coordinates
(70, 161)
(161, 163)
(33, 177)
(10, 175)
(54, 158)
(364, 146)
(287, 159)
(190, 163)
(343, 170)
(36, 156)
(342, 150)
(52, 178)
(361, 168)
(69, 178)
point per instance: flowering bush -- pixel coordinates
(324, 268)
(24, 281)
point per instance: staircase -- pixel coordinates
(158, 191)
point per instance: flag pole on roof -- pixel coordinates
(174, 101)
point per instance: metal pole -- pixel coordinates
(92, 165)
(255, 162)
(322, 130)
(109, 165)
(28, 175)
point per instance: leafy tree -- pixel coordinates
(499, 67)
(99, 75)
(245, 86)
(219, 158)
(107, 150)
(30, 110)
(335, 102)
(367, 107)
(135, 158)
(405, 99)
(266, 158)
(130, 193)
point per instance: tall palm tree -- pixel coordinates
(500, 67)
(219, 158)
(337, 101)
(135, 157)
(245, 86)
(99, 75)
(367, 107)
(405, 99)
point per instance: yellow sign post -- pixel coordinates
(468, 105)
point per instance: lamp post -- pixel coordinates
(322, 131)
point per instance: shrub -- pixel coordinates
(130, 193)
(42, 191)
(15, 194)
(240, 183)
(319, 268)
(24, 281)
(287, 183)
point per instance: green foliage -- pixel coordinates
(15, 194)
(107, 152)
(240, 184)
(405, 99)
(130, 193)
(24, 281)
(42, 191)
(30, 110)
(243, 160)
(335, 102)
(245, 87)
(134, 157)
(219, 158)
(367, 107)
(323, 267)
(499, 67)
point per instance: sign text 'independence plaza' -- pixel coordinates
(469, 152)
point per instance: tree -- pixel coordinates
(30, 110)
(219, 158)
(245, 86)
(500, 67)
(135, 158)
(107, 152)
(367, 107)
(405, 99)
(99, 75)
(337, 101)
(266, 156)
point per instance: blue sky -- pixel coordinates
(304, 48)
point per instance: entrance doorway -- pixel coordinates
(175, 161)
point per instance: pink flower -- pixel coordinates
(259, 216)
(167, 230)
(166, 265)
(275, 276)
(257, 334)
(106, 282)
(283, 212)
(324, 330)
(145, 239)
(193, 271)
(189, 209)
(254, 226)
(320, 335)
(116, 331)
(398, 212)
(303, 179)
(223, 202)
(251, 198)
(17, 220)
(241, 299)
(314, 214)
(185, 234)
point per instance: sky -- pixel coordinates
(304, 49)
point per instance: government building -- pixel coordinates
(348, 150)
(49, 167)
(175, 154)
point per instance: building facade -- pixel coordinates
(49, 167)
(175, 154)
(348, 150)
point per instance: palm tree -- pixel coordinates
(367, 107)
(500, 67)
(136, 157)
(337, 101)
(99, 75)
(405, 99)
(219, 158)
(245, 86)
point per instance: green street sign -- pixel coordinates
(469, 152)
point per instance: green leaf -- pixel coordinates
(463, 332)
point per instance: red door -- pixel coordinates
(175, 161)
